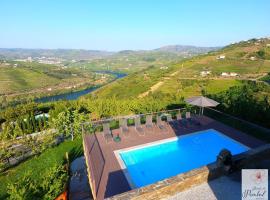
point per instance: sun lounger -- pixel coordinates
(161, 125)
(192, 120)
(107, 133)
(182, 122)
(124, 127)
(169, 118)
(149, 122)
(178, 116)
(138, 126)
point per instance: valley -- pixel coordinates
(213, 72)
(236, 76)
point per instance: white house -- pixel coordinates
(252, 58)
(29, 59)
(225, 74)
(221, 57)
(163, 67)
(233, 74)
(205, 73)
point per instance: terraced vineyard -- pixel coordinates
(25, 80)
(249, 60)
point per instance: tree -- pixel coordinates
(29, 124)
(34, 123)
(17, 130)
(69, 123)
(261, 54)
(8, 131)
(40, 125)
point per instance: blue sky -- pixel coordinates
(130, 24)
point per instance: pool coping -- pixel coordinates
(123, 165)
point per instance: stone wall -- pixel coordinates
(170, 187)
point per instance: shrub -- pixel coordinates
(51, 185)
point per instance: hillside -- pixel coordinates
(244, 60)
(69, 54)
(186, 50)
(82, 54)
(129, 61)
(29, 80)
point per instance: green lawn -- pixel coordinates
(39, 164)
(216, 86)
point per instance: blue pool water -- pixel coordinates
(152, 163)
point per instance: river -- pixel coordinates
(75, 95)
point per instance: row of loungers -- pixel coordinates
(149, 125)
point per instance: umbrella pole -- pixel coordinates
(202, 110)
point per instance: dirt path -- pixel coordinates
(174, 73)
(152, 89)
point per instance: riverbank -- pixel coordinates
(73, 95)
(66, 93)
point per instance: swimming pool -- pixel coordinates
(147, 164)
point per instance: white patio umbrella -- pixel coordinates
(202, 102)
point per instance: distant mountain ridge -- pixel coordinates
(69, 54)
(186, 49)
(81, 54)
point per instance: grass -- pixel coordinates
(37, 165)
(216, 86)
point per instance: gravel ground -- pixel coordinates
(221, 188)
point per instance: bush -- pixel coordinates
(51, 185)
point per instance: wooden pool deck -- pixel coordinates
(111, 178)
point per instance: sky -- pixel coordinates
(115, 25)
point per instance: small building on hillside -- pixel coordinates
(225, 74)
(233, 74)
(229, 74)
(252, 58)
(221, 57)
(163, 67)
(205, 73)
(29, 59)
